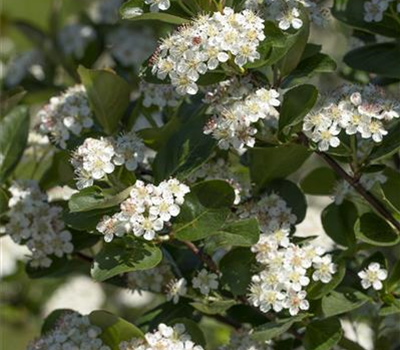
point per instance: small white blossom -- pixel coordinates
(296, 301)
(324, 269)
(373, 276)
(156, 5)
(66, 115)
(176, 289)
(72, 331)
(205, 281)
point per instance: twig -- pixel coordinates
(205, 258)
(84, 257)
(354, 182)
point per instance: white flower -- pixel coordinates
(205, 281)
(357, 110)
(290, 18)
(73, 331)
(295, 301)
(156, 5)
(146, 211)
(176, 289)
(374, 10)
(93, 159)
(128, 151)
(66, 115)
(324, 269)
(373, 276)
(194, 49)
(37, 223)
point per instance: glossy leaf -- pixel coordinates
(108, 95)
(235, 267)
(319, 182)
(124, 255)
(270, 163)
(372, 229)
(323, 334)
(114, 329)
(337, 303)
(338, 222)
(14, 129)
(297, 102)
(204, 211)
(391, 187)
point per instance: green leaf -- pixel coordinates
(108, 95)
(393, 281)
(184, 145)
(213, 307)
(292, 195)
(293, 56)
(52, 319)
(309, 67)
(276, 44)
(204, 211)
(274, 329)
(381, 59)
(129, 11)
(387, 310)
(93, 197)
(318, 289)
(372, 229)
(9, 99)
(391, 187)
(337, 303)
(86, 221)
(242, 233)
(3, 202)
(351, 12)
(338, 222)
(114, 329)
(389, 145)
(124, 255)
(14, 130)
(59, 173)
(319, 182)
(270, 163)
(323, 335)
(297, 102)
(235, 267)
(192, 329)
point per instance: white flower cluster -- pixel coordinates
(234, 126)
(73, 331)
(74, 38)
(343, 189)
(241, 340)
(96, 158)
(375, 9)
(194, 49)
(129, 46)
(272, 213)
(205, 281)
(288, 12)
(362, 110)
(372, 276)
(220, 169)
(151, 280)
(66, 114)
(159, 95)
(146, 211)
(287, 267)
(29, 62)
(37, 224)
(165, 338)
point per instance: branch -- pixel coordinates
(368, 196)
(205, 258)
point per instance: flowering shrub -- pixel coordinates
(171, 148)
